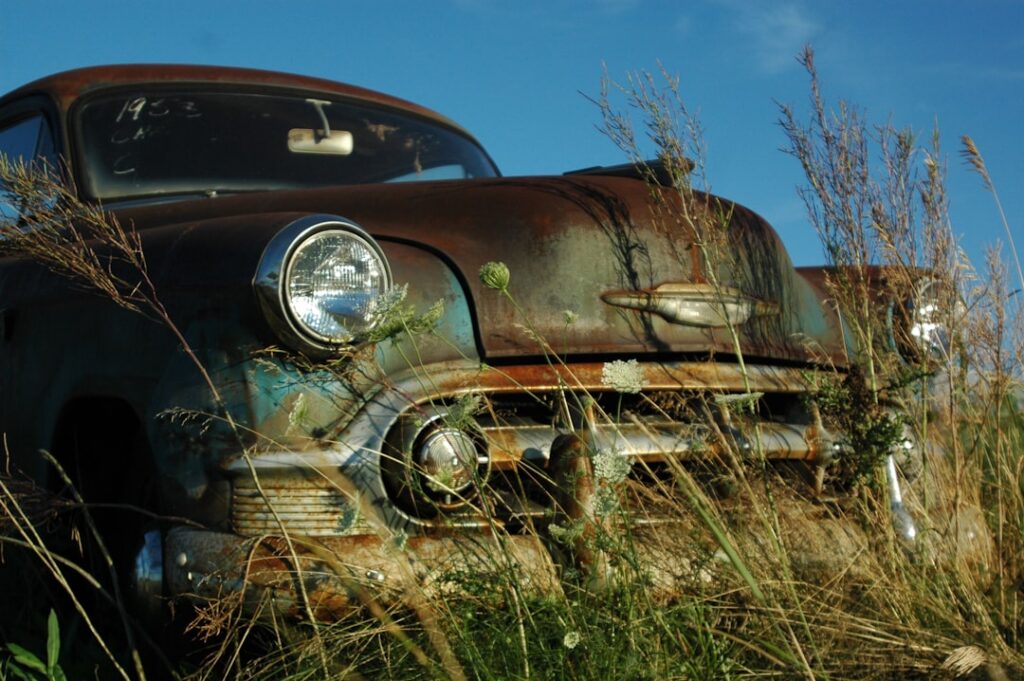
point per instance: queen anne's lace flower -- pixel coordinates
(611, 466)
(625, 376)
(571, 639)
(566, 535)
(605, 502)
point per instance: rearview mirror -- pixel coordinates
(309, 141)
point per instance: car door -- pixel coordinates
(26, 136)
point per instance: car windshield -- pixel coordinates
(150, 144)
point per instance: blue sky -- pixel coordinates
(513, 73)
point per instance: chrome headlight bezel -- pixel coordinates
(922, 326)
(274, 271)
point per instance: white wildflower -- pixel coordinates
(611, 465)
(387, 304)
(571, 639)
(299, 414)
(606, 502)
(460, 413)
(624, 376)
(569, 317)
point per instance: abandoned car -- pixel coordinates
(339, 345)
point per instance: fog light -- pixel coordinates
(447, 458)
(434, 462)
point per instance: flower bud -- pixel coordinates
(495, 275)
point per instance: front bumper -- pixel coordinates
(336, 574)
(343, 523)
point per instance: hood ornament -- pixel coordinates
(694, 304)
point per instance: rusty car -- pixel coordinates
(367, 353)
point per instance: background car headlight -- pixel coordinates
(320, 281)
(922, 325)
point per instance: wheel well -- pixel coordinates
(101, 444)
(98, 441)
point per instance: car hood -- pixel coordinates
(590, 261)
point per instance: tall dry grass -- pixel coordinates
(776, 583)
(754, 575)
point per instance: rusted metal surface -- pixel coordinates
(652, 441)
(536, 226)
(605, 226)
(339, 574)
(454, 378)
(576, 499)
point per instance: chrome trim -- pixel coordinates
(693, 304)
(902, 521)
(413, 429)
(356, 452)
(305, 505)
(917, 323)
(147, 578)
(657, 439)
(270, 279)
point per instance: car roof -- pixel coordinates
(67, 86)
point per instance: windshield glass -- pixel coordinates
(151, 144)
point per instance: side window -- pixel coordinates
(26, 141)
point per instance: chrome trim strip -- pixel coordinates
(693, 304)
(658, 439)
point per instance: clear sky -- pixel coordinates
(513, 73)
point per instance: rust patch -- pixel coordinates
(340, 574)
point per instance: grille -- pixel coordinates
(650, 426)
(307, 506)
(691, 428)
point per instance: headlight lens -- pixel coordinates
(333, 283)
(320, 283)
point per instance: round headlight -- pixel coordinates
(320, 282)
(923, 324)
(333, 282)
